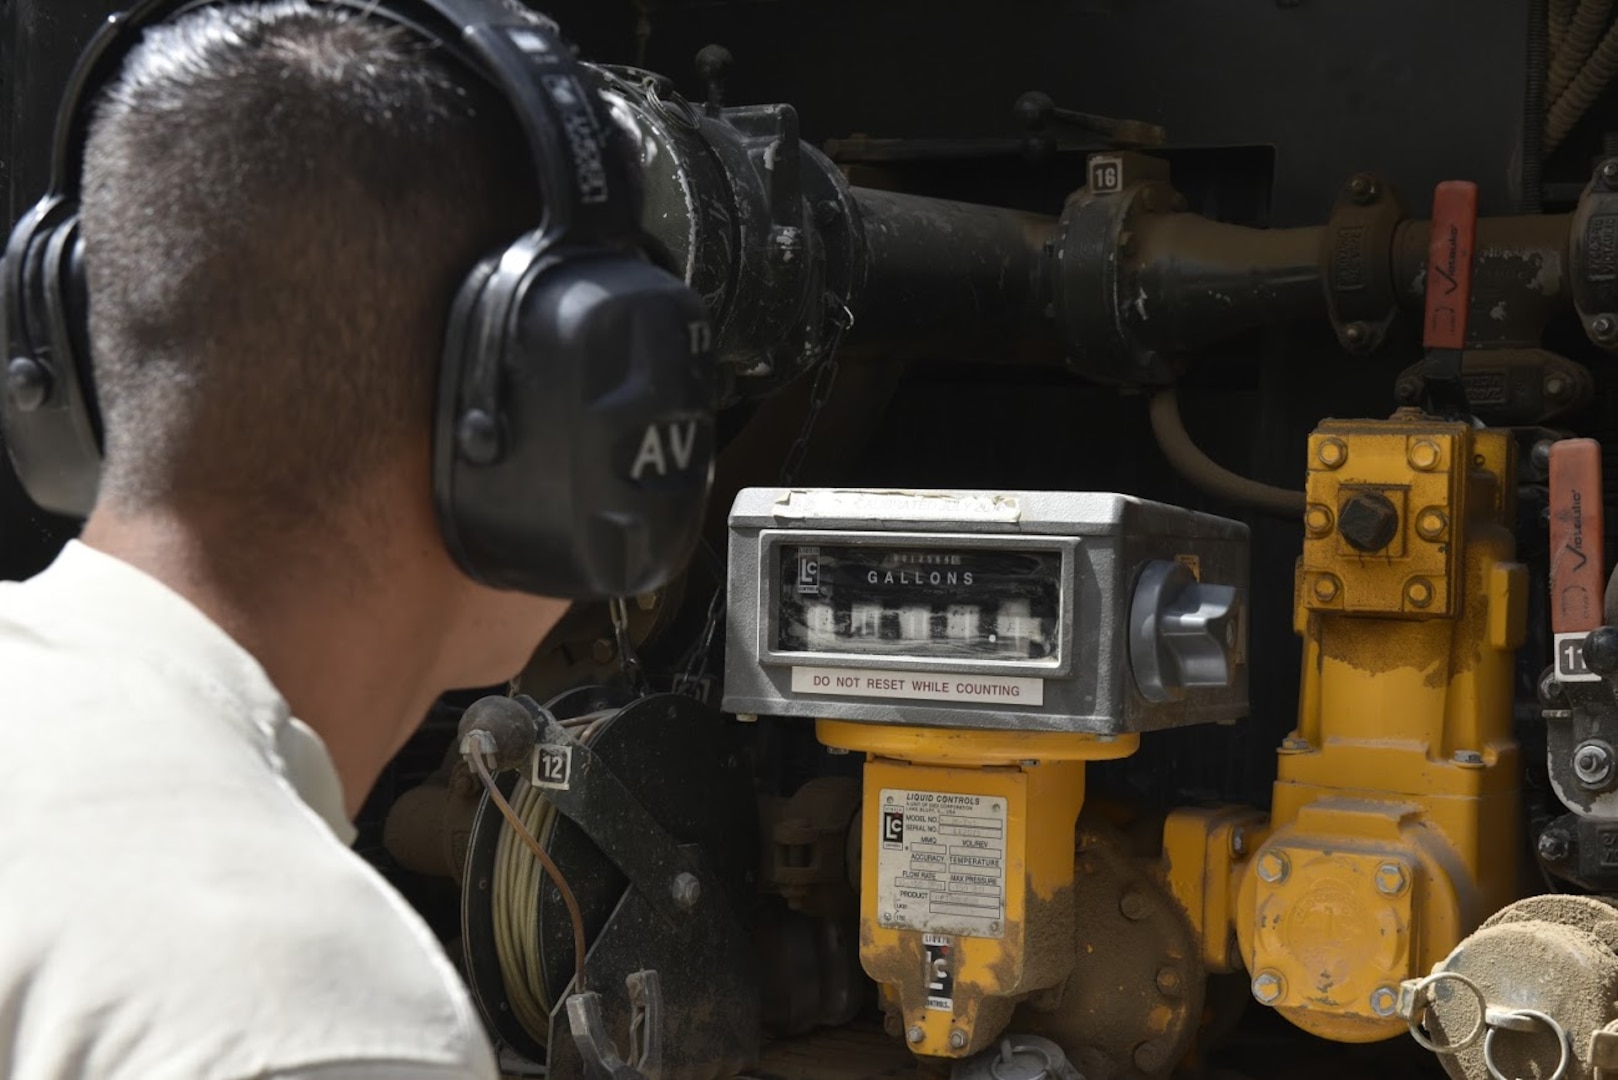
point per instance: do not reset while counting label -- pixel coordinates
(918, 686)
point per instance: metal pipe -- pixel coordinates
(947, 279)
(1206, 473)
(1521, 276)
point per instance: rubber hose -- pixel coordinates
(1588, 22)
(1561, 15)
(1190, 462)
(1577, 99)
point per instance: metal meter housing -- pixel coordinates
(1056, 611)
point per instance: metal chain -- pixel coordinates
(691, 680)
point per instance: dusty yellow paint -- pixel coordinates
(1041, 778)
(1394, 826)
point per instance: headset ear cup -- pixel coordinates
(52, 427)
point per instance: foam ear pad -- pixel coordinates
(48, 409)
(588, 476)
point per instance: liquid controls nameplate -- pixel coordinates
(941, 863)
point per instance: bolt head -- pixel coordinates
(1541, 455)
(1604, 327)
(1384, 1000)
(1356, 334)
(1556, 386)
(957, 1040)
(1468, 757)
(1317, 520)
(1391, 879)
(1419, 592)
(1134, 906)
(915, 1034)
(1609, 172)
(1292, 742)
(1363, 189)
(1149, 1055)
(1268, 987)
(1238, 843)
(686, 890)
(1431, 523)
(1332, 452)
(1273, 867)
(1168, 982)
(1326, 588)
(1407, 389)
(1554, 845)
(1592, 763)
(1368, 521)
(1425, 455)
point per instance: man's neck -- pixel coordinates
(349, 644)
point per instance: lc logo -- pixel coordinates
(665, 445)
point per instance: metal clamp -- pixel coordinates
(1524, 1020)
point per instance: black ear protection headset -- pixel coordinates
(573, 439)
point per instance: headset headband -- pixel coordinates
(589, 194)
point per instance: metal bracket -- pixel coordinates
(595, 1045)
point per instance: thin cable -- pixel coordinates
(573, 912)
(1190, 462)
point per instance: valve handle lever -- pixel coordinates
(1449, 294)
(1578, 573)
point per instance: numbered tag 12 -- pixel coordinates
(553, 766)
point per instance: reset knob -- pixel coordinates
(1181, 632)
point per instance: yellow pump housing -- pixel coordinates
(956, 992)
(1394, 825)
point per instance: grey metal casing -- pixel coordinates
(1108, 541)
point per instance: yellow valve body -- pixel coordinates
(1007, 929)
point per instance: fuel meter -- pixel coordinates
(1083, 612)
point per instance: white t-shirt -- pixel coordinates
(177, 895)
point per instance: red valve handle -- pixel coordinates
(1449, 264)
(1578, 578)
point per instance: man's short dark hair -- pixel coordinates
(279, 201)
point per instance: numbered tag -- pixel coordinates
(1570, 665)
(553, 766)
(1106, 175)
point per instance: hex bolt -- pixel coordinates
(1391, 879)
(1332, 452)
(1134, 906)
(1168, 982)
(1149, 1055)
(1238, 845)
(957, 1040)
(1468, 757)
(1556, 386)
(1604, 327)
(1269, 987)
(1541, 455)
(1384, 1000)
(1424, 455)
(1363, 189)
(915, 1034)
(1326, 588)
(1431, 523)
(1554, 845)
(1601, 650)
(1273, 867)
(1318, 520)
(1609, 172)
(1407, 389)
(686, 890)
(1369, 521)
(1356, 334)
(1592, 763)
(1419, 592)
(1295, 744)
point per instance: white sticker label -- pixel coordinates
(940, 972)
(918, 685)
(941, 863)
(1570, 665)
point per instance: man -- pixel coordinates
(279, 201)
